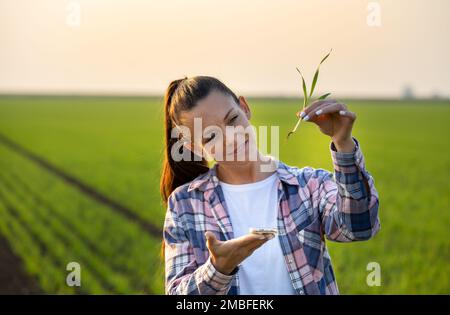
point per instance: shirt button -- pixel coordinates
(301, 292)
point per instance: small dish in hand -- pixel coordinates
(264, 231)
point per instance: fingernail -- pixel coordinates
(271, 236)
(342, 112)
(262, 237)
(302, 114)
(319, 112)
(306, 118)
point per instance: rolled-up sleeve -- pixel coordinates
(183, 275)
(347, 198)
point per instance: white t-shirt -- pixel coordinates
(256, 205)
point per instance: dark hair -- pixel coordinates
(183, 95)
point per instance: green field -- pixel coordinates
(115, 145)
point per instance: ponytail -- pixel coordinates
(174, 173)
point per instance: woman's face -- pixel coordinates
(220, 129)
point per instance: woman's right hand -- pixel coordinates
(226, 255)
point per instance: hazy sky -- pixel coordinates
(131, 46)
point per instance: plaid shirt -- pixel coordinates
(314, 204)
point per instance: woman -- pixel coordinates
(207, 245)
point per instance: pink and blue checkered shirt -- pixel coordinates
(314, 204)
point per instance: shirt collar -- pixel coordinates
(209, 180)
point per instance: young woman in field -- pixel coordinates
(207, 245)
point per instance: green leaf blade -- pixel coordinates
(314, 81)
(325, 58)
(322, 97)
(316, 75)
(305, 90)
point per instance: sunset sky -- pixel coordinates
(138, 47)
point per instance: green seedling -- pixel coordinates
(308, 97)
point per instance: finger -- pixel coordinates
(258, 243)
(325, 109)
(249, 239)
(304, 111)
(314, 105)
(211, 239)
(329, 108)
(269, 235)
(347, 113)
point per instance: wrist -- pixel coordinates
(344, 145)
(222, 268)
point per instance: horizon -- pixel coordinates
(133, 47)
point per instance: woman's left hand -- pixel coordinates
(334, 120)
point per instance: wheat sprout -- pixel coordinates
(307, 97)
